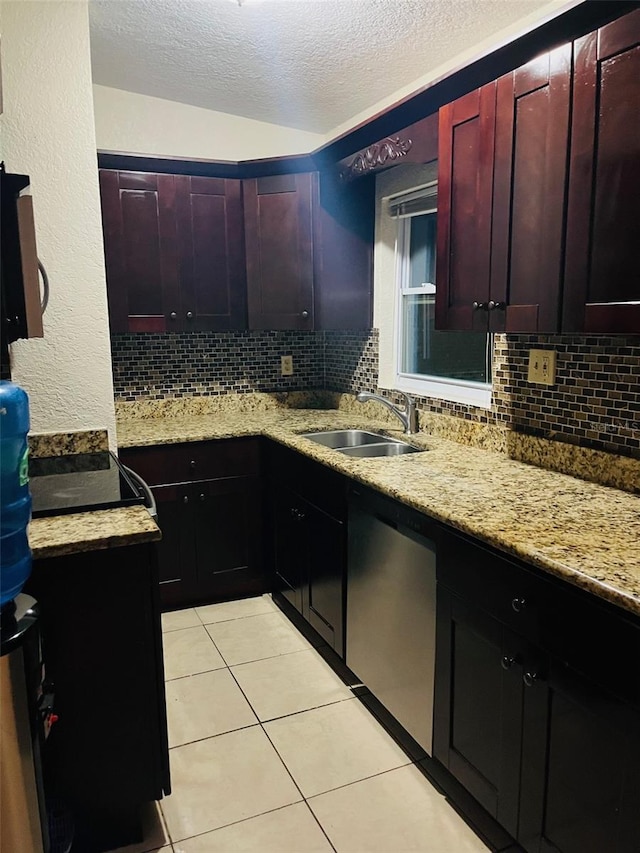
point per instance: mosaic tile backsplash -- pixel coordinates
(595, 402)
(179, 364)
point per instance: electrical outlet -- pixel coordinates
(542, 366)
(286, 365)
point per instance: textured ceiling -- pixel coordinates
(309, 64)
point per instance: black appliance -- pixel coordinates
(82, 482)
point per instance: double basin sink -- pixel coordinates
(360, 443)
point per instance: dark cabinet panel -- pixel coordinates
(477, 729)
(537, 717)
(602, 276)
(211, 518)
(278, 229)
(465, 177)
(174, 252)
(176, 552)
(290, 546)
(211, 253)
(580, 767)
(138, 218)
(343, 253)
(228, 537)
(108, 754)
(308, 517)
(532, 127)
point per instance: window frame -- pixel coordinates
(453, 390)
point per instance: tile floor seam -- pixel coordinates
(307, 800)
(245, 819)
(218, 734)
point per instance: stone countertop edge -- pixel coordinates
(523, 506)
(81, 532)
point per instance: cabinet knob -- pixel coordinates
(192, 464)
(507, 661)
(305, 314)
(189, 315)
(185, 499)
(202, 498)
(480, 306)
(496, 306)
(530, 678)
(518, 604)
(173, 316)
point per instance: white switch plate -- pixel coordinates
(542, 366)
(286, 365)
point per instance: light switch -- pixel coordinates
(542, 366)
(286, 365)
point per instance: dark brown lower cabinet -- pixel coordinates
(211, 523)
(107, 754)
(541, 722)
(310, 564)
(308, 541)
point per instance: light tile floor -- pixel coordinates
(271, 753)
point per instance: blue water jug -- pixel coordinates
(15, 500)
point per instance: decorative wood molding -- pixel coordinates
(376, 156)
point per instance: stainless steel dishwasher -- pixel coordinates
(391, 609)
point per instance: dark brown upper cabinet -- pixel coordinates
(309, 244)
(502, 175)
(174, 252)
(465, 177)
(602, 273)
(278, 229)
(530, 157)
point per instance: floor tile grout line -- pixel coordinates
(409, 762)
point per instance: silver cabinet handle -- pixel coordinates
(189, 315)
(496, 306)
(185, 499)
(305, 314)
(45, 287)
(480, 306)
(173, 316)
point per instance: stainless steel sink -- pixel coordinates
(394, 448)
(360, 443)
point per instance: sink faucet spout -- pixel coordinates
(408, 418)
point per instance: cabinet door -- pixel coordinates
(176, 553)
(580, 767)
(278, 231)
(324, 590)
(478, 706)
(210, 232)
(465, 178)
(227, 523)
(139, 225)
(602, 275)
(343, 234)
(291, 556)
(532, 126)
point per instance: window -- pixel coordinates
(450, 365)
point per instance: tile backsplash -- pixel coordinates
(179, 364)
(595, 402)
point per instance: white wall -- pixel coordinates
(395, 180)
(48, 133)
(139, 124)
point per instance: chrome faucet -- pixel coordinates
(408, 418)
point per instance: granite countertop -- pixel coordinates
(61, 535)
(584, 533)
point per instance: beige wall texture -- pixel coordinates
(139, 124)
(48, 133)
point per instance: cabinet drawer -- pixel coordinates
(200, 460)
